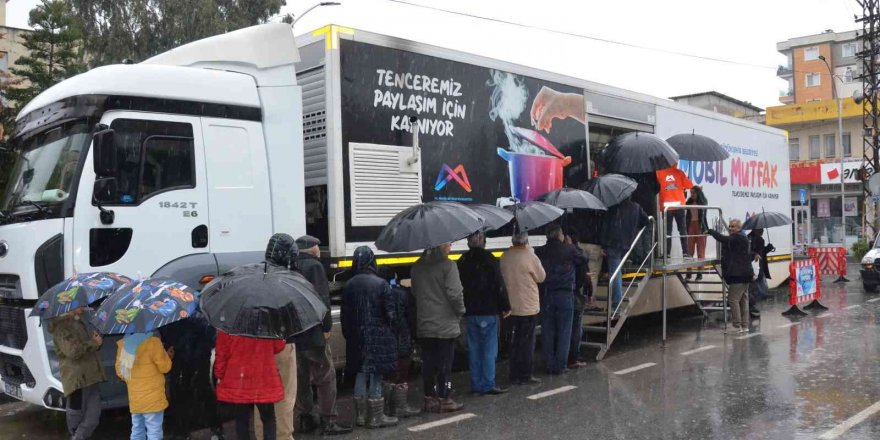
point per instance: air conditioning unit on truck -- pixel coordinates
(185, 164)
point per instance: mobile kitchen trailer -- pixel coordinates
(183, 165)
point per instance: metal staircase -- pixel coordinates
(708, 295)
(633, 288)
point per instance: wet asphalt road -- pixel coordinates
(788, 380)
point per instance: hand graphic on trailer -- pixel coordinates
(550, 104)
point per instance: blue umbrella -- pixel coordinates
(77, 291)
(144, 306)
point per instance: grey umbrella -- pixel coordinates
(571, 198)
(493, 216)
(262, 301)
(637, 152)
(427, 225)
(691, 146)
(533, 215)
(611, 189)
(766, 220)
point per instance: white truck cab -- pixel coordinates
(179, 166)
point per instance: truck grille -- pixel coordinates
(13, 331)
(10, 287)
(14, 371)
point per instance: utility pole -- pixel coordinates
(870, 39)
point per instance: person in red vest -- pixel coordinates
(673, 182)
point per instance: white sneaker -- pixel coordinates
(732, 331)
(744, 330)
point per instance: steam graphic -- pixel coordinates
(508, 101)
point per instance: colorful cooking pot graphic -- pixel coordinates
(532, 175)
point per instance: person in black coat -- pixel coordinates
(620, 226)
(314, 361)
(758, 287)
(485, 303)
(404, 328)
(368, 313)
(561, 263)
(736, 266)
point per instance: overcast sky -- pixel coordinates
(744, 31)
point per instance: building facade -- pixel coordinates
(721, 103)
(810, 115)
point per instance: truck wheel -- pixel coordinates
(869, 287)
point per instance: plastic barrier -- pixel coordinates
(804, 285)
(831, 259)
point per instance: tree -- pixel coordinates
(53, 52)
(115, 30)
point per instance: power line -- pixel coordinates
(586, 37)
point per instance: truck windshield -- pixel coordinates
(44, 172)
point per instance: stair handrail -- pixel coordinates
(618, 272)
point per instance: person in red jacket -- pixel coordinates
(247, 376)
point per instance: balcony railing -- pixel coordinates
(784, 71)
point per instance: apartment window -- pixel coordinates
(847, 147)
(811, 53)
(850, 49)
(848, 75)
(813, 80)
(794, 149)
(829, 146)
(814, 147)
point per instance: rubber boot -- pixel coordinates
(387, 394)
(448, 405)
(360, 411)
(376, 417)
(399, 403)
(432, 405)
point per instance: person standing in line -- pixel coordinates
(522, 271)
(142, 362)
(696, 224)
(620, 226)
(673, 182)
(758, 286)
(588, 237)
(582, 295)
(281, 253)
(247, 376)
(736, 266)
(561, 262)
(367, 319)
(313, 357)
(404, 328)
(440, 305)
(484, 302)
(81, 371)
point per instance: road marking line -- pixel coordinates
(874, 300)
(551, 392)
(441, 422)
(790, 324)
(697, 350)
(752, 335)
(851, 307)
(636, 368)
(825, 315)
(847, 424)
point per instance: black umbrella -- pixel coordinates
(571, 198)
(766, 220)
(638, 153)
(262, 301)
(427, 225)
(532, 215)
(691, 146)
(493, 216)
(611, 189)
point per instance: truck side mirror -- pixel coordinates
(104, 153)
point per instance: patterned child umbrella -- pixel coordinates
(145, 305)
(80, 290)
